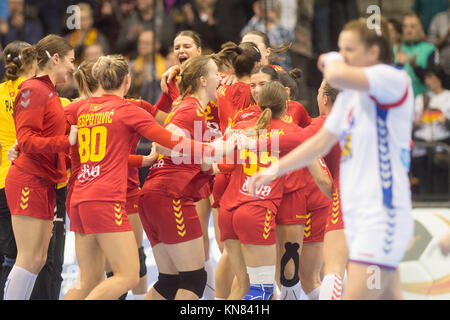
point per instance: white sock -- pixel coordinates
(344, 282)
(293, 293)
(331, 288)
(314, 295)
(139, 296)
(19, 284)
(209, 292)
(219, 298)
(261, 275)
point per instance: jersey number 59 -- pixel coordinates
(252, 166)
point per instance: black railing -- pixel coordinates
(432, 169)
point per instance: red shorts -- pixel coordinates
(168, 220)
(132, 204)
(315, 224)
(29, 195)
(99, 217)
(334, 220)
(251, 224)
(204, 191)
(220, 185)
(292, 209)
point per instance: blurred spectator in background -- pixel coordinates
(432, 124)
(51, 14)
(199, 17)
(107, 17)
(395, 31)
(92, 52)
(231, 16)
(146, 70)
(87, 34)
(20, 27)
(272, 27)
(439, 34)
(414, 53)
(288, 16)
(427, 9)
(148, 15)
(330, 16)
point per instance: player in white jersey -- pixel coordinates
(372, 119)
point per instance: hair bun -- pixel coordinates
(296, 73)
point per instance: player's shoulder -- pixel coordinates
(189, 104)
(137, 102)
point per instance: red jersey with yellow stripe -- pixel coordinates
(40, 129)
(180, 177)
(230, 100)
(276, 67)
(211, 111)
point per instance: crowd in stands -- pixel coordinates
(143, 30)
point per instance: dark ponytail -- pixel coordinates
(289, 80)
(242, 58)
(17, 55)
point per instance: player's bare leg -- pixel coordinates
(121, 251)
(141, 288)
(166, 267)
(91, 263)
(311, 261)
(289, 248)
(369, 283)
(335, 258)
(189, 257)
(237, 263)
(203, 208)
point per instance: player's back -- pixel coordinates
(106, 130)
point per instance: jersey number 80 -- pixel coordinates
(92, 143)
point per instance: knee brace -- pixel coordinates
(167, 285)
(291, 253)
(194, 281)
(142, 265)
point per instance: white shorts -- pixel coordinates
(378, 236)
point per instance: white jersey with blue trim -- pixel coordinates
(374, 130)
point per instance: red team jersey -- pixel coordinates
(40, 128)
(296, 113)
(70, 112)
(106, 131)
(230, 100)
(172, 179)
(251, 162)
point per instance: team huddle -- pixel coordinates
(228, 137)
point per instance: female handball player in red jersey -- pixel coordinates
(30, 184)
(106, 128)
